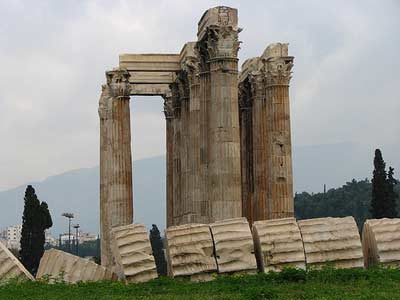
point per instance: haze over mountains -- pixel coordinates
(77, 191)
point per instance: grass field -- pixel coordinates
(290, 284)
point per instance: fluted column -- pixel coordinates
(224, 173)
(246, 148)
(176, 155)
(186, 207)
(116, 196)
(278, 67)
(261, 150)
(204, 102)
(169, 116)
(190, 66)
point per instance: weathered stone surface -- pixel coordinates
(150, 62)
(267, 178)
(70, 268)
(381, 242)
(278, 244)
(333, 241)
(189, 250)
(133, 253)
(10, 267)
(116, 195)
(234, 248)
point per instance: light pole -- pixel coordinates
(69, 216)
(76, 226)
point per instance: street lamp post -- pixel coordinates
(76, 226)
(69, 216)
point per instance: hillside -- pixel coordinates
(78, 190)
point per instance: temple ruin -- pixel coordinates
(228, 133)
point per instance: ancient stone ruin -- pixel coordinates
(229, 172)
(228, 133)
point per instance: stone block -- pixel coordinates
(133, 253)
(11, 267)
(70, 268)
(234, 248)
(381, 242)
(331, 241)
(278, 244)
(190, 251)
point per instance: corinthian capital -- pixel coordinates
(278, 65)
(218, 33)
(118, 83)
(279, 70)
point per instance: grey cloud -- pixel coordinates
(54, 53)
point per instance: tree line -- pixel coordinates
(362, 199)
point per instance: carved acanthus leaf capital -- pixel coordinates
(116, 87)
(278, 70)
(222, 42)
(118, 83)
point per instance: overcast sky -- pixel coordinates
(53, 55)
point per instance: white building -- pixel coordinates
(13, 236)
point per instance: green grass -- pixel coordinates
(290, 284)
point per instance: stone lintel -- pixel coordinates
(150, 62)
(159, 89)
(220, 16)
(152, 77)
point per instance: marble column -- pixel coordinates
(246, 148)
(278, 67)
(261, 170)
(224, 171)
(176, 156)
(116, 195)
(186, 208)
(169, 116)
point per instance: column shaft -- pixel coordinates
(224, 171)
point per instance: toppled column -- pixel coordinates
(218, 47)
(116, 196)
(10, 266)
(234, 248)
(190, 251)
(278, 66)
(331, 241)
(133, 253)
(278, 245)
(381, 242)
(70, 268)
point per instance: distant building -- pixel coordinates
(87, 237)
(50, 240)
(82, 238)
(13, 237)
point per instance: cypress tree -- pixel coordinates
(158, 252)
(382, 206)
(392, 196)
(35, 220)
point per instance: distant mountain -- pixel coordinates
(77, 191)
